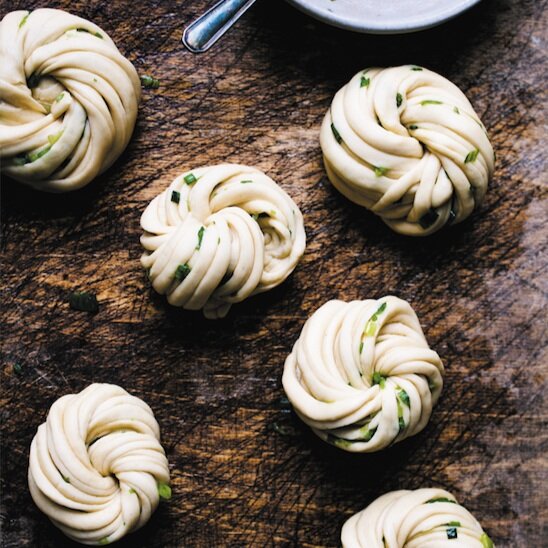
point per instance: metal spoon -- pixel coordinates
(202, 33)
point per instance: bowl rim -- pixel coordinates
(370, 27)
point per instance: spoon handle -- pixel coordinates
(202, 33)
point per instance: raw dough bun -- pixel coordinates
(406, 143)
(361, 374)
(80, 113)
(425, 518)
(218, 235)
(96, 465)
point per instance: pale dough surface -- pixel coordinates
(80, 113)
(424, 518)
(362, 375)
(406, 143)
(218, 235)
(96, 463)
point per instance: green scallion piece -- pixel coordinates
(20, 160)
(369, 434)
(404, 397)
(380, 171)
(471, 156)
(33, 156)
(84, 301)
(175, 196)
(247, 181)
(431, 102)
(456, 109)
(364, 82)
(200, 236)
(399, 99)
(416, 68)
(24, 20)
(54, 138)
(164, 490)
(150, 82)
(441, 499)
(413, 126)
(59, 97)
(378, 379)
(182, 271)
(66, 479)
(453, 524)
(190, 179)
(361, 347)
(486, 542)
(132, 491)
(103, 541)
(336, 134)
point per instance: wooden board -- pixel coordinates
(245, 471)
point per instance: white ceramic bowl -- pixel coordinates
(383, 16)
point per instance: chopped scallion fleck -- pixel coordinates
(416, 68)
(200, 236)
(164, 490)
(190, 179)
(246, 181)
(84, 301)
(380, 171)
(182, 271)
(150, 82)
(404, 397)
(456, 109)
(431, 102)
(175, 196)
(54, 138)
(59, 97)
(103, 541)
(378, 379)
(471, 156)
(441, 499)
(364, 82)
(486, 542)
(336, 134)
(413, 126)
(24, 20)
(399, 99)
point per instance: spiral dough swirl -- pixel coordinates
(96, 465)
(218, 235)
(68, 99)
(361, 374)
(406, 143)
(424, 518)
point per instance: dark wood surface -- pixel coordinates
(245, 471)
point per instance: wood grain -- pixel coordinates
(245, 471)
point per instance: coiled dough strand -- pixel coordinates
(218, 235)
(424, 518)
(68, 99)
(361, 374)
(96, 464)
(407, 144)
